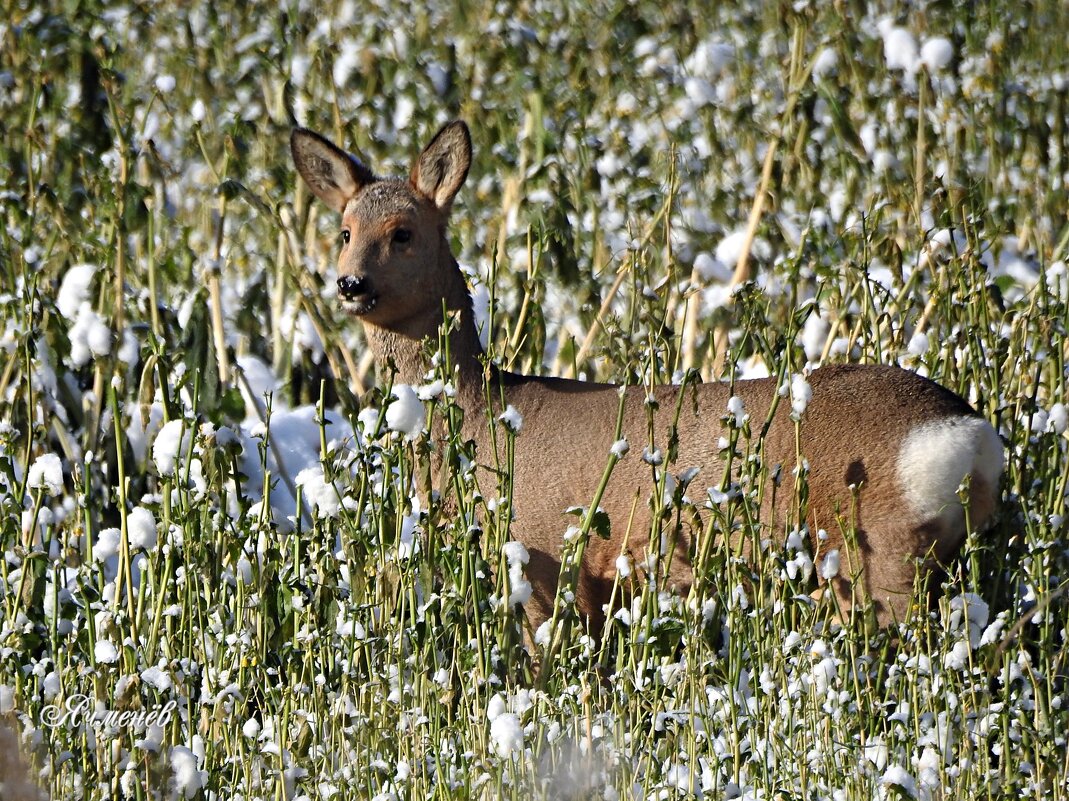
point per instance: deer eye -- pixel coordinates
(345, 236)
(402, 235)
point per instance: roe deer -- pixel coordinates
(886, 449)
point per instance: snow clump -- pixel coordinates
(405, 414)
(46, 473)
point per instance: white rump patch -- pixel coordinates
(936, 457)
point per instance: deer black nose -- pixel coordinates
(351, 285)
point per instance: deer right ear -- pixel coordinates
(332, 174)
(443, 165)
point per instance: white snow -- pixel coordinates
(89, 336)
(958, 656)
(141, 529)
(519, 587)
(7, 699)
(106, 544)
(261, 381)
(937, 53)
(166, 446)
(318, 493)
(829, 565)
(157, 677)
(737, 409)
(405, 413)
(898, 776)
(899, 47)
(730, 247)
(74, 290)
(826, 63)
(511, 419)
(814, 337)
(801, 394)
(918, 344)
(506, 735)
(710, 58)
(709, 268)
(346, 63)
(105, 652)
(186, 780)
(1057, 419)
(46, 473)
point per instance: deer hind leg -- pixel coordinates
(876, 564)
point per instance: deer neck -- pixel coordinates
(402, 348)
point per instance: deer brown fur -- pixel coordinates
(886, 449)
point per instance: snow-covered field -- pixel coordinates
(216, 579)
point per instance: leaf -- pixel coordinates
(600, 524)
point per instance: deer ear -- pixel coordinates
(441, 168)
(332, 174)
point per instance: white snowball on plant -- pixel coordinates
(709, 59)
(74, 289)
(157, 677)
(737, 409)
(89, 336)
(516, 557)
(511, 419)
(710, 268)
(918, 344)
(899, 48)
(346, 63)
(141, 529)
(431, 390)
(130, 349)
(439, 78)
(496, 707)
(1057, 419)
(937, 53)
(106, 544)
(98, 336)
(972, 610)
(106, 652)
(829, 565)
(801, 394)
(186, 779)
(166, 446)
(506, 735)
(405, 413)
(317, 492)
(543, 633)
(730, 247)
(957, 658)
(898, 776)
(620, 448)
(826, 63)
(165, 84)
(46, 473)
(699, 91)
(814, 336)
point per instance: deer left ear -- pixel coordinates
(441, 168)
(332, 174)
